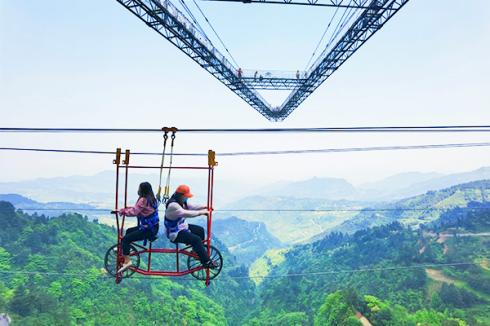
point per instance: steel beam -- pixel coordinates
(368, 23)
(356, 4)
(163, 17)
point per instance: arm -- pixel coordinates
(197, 207)
(175, 211)
(136, 210)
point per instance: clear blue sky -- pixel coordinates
(93, 64)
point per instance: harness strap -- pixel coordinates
(166, 194)
(165, 137)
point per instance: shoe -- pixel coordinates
(125, 267)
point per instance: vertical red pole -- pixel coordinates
(211, 165)
(177, 256)
(149, 257)
(117, 162)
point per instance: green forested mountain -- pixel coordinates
(391, 274)
(247, 240)
(420, 209)
(51, 273)
(294, 226)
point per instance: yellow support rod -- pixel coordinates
(212, 158)
(118, 157)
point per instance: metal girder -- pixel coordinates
(357, 4)
(165, 19)
(273, 83)
(368, 23)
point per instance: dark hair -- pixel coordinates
(179, 198)
(146, 191)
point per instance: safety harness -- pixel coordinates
(149, 223)
(172, 226)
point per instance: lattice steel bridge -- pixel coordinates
(360, 20)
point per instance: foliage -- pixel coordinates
(61, 280)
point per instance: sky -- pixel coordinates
(93, 64)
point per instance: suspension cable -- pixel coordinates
(279, 210)
(368, 129)
(215, 33)
(321, 39)
(264, 153)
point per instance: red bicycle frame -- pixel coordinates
(120, 220)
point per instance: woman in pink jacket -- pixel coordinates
(146, 210)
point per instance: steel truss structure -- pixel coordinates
(356, 4)
(163, 17)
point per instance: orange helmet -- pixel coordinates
(184, 190)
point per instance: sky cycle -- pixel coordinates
(113, 258)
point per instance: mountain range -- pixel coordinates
(98, 189)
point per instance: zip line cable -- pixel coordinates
(369, 129)
(289, 275)
(261, 153)
(279, 210)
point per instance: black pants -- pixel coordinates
(135, 234)
(194, 237)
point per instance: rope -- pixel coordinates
(279, 210)
(289, 275)
(264, 153)
(396, 129)
(165, 138)
(166, 195)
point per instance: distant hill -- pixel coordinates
(414, 183)
(246, 240)
(318, 188)
(390, 275)
(50, 208)
(99, 189)
(293, 226)
(391, 187)
(416, 210)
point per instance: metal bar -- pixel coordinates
(166, 273)
(177, 256)
(209, 204)
(117, 161)
(149, 257)
(173, 167)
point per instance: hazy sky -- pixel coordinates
(93, 64)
